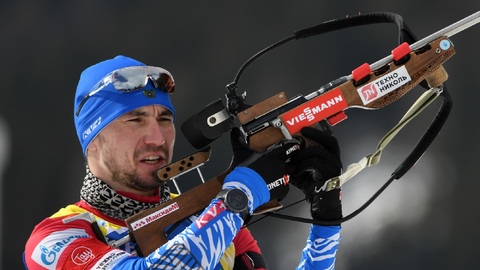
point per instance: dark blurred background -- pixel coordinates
(426, 220)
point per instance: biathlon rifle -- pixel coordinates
(370, 86)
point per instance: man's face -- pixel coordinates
(127, 153)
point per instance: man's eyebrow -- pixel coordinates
(166, 112)
(136, 113)
(143, 113)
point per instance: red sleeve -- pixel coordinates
(245, 242)
(247, 252)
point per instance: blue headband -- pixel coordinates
(108, 104)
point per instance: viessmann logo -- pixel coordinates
(384, 85)
(314, 110)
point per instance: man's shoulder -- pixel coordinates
(72, 209)
(56, 221)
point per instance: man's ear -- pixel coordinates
(92, 147)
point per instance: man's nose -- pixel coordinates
(154, 134)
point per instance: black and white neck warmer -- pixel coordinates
(102, 197)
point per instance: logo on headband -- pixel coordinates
(150, 93)
(91, 128)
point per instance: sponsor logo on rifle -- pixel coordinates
(368, 93)
(155, 216)
(314, 111)
(384, 85)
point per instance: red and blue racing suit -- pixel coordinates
(213, 240)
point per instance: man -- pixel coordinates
(125, 123)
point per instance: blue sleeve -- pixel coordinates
(202, 244)
(321, 248)
(199, 246)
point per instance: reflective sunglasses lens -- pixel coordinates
(130, 79)
(164, 82)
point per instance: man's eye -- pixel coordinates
(165, 119)
(133, 120)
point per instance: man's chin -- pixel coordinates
(147, 185)
(152, 185)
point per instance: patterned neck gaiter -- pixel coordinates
(102, 197)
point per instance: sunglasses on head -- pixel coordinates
(133, 78)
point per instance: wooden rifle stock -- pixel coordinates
(147, 228)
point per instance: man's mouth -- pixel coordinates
(152, 159)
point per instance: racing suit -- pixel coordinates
(213, 240)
